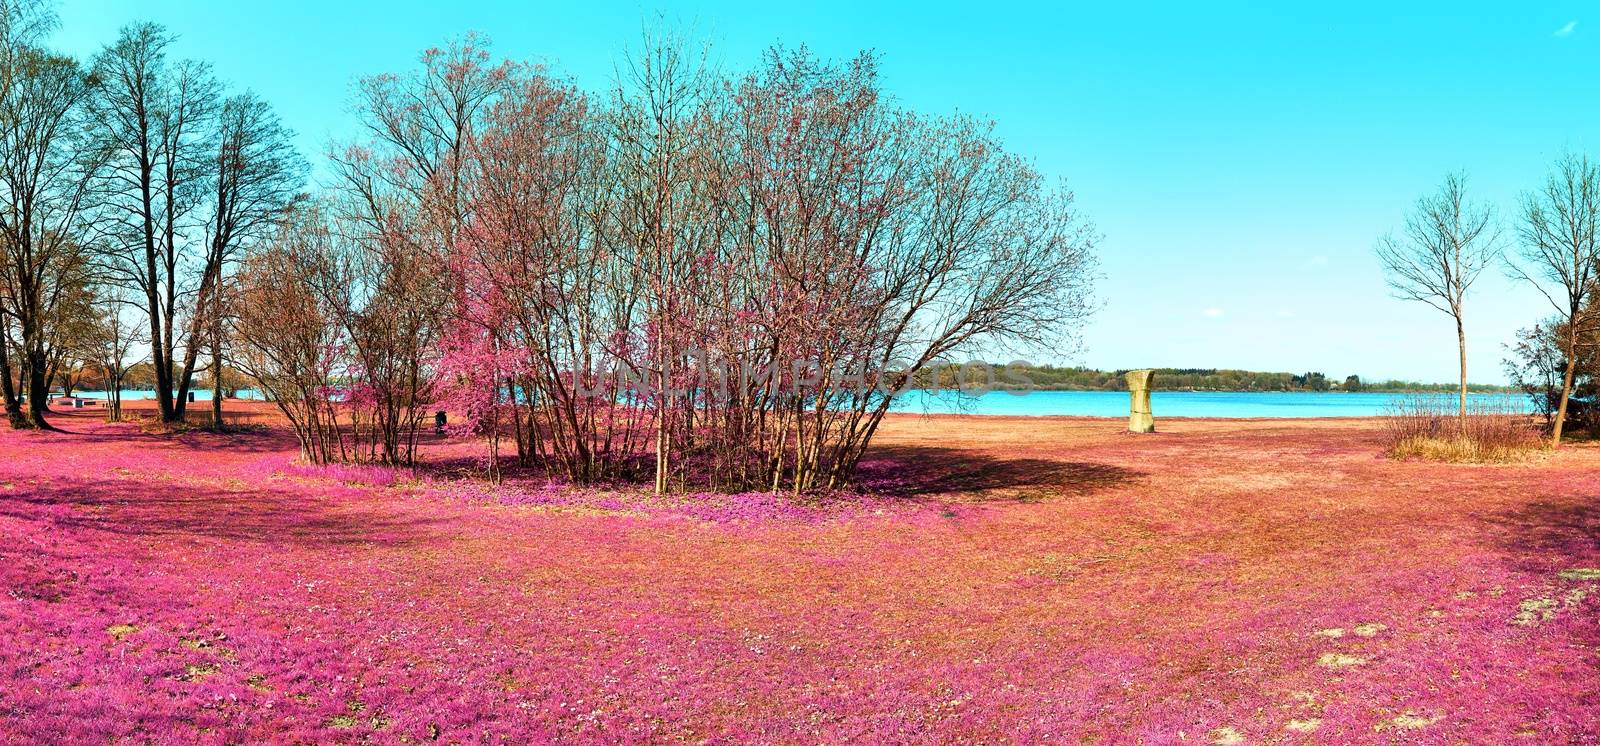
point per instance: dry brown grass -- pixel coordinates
(1430, 428)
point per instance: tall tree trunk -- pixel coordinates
(180, 404)
(35, 373)
(216, 385)
(1461, 342)
(160, 345)
(191, 353)
(116, 398)
(38, 391)
(158, 361)
(1566, 390)
(183, 383)
(184, 380)
(8, 391)
(663, 438)
(216, 353)
(183, 376)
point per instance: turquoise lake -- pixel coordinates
(1185, 403)
(1115, 403)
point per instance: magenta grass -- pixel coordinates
(1227, 582)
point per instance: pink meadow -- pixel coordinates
(183, 589)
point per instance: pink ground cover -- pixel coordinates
(1000, 581)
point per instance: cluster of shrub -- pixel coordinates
(1433, 428)
(709, 279)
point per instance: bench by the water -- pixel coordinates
(78, 402)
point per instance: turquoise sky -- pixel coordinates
(1239, 161)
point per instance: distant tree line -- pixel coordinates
(1052, 378)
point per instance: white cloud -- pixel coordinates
(1213, 313)
(1566, 31)
(1284, 313)
(1317, 262)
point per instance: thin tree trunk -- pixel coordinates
(1461, 341)
(1566, 394)
(210, 294)
(216, 386)
(38, 392)
(8, 391)
(663, 439)
(216, 354)
(158, 357)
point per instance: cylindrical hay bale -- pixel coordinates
(1140, 418)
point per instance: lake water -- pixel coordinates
(1115, 403)
(1185, 403)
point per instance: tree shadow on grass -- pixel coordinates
(1550, 534)
(268, 516)
(92, 429)
(915, 471)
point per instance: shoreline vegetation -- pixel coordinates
(1050, 378)
(1011, 377)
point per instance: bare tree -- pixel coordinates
(23, 23)
(531, 318)
(152, 123)
(293, 291)
(255, 176)
(753, 261)
(908, 240)
(1560, 256)
(43, 178)
(1446, 243)
(403, 207)
(660, 155)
